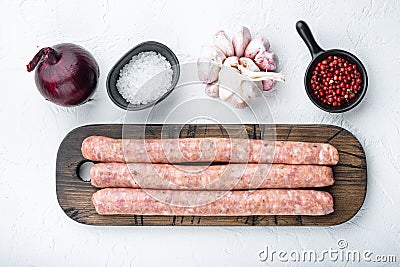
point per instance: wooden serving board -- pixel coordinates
(74, 195)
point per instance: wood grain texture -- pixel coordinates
(74, 195)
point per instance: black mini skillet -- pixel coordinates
(318, 54)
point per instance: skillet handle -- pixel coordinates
(305, 33)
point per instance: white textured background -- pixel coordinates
(34, 231)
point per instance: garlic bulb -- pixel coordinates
(238, 70)
(224, 43)
(209, 64)
(266, 61)
(240, 41)
(256, 45)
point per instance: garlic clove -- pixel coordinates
(268, 85)
(212, 89)
(248, 64)
(224, 93)
(266, 61)
(209, 64)
(224, 43)
(249, 90)
(208, 71)
(237, 101)
(240, 41)
(232, 62)
(256, 45)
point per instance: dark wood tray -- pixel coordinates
(74, 195)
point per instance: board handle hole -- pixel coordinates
(83, 170)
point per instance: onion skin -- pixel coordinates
(66, 74)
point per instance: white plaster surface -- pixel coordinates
(34, 231)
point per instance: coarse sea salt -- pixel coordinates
(145, 78)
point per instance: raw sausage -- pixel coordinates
(232, 203)
(104, 149)
(214, 177)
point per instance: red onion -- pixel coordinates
(66, 74)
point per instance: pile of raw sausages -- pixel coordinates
(281, 171)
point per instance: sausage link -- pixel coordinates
(104, 149)
(214, 177)
(233, 203)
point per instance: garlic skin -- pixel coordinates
(224, 43)
(268, 85)
(209, 64)
(212, 89)
(232, 62)
(240, 41)
(266, 61)
(229, 82)
(256, 45)
(249, 86)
